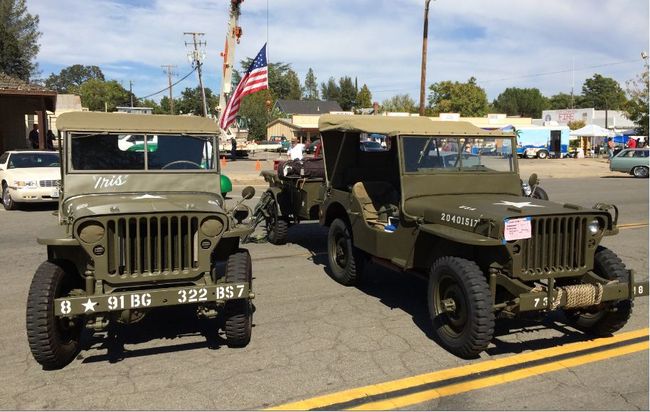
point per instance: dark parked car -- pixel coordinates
(311, 148)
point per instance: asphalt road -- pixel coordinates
(315, 337)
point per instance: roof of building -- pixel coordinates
(396, 125)
(133, 123)
(307, 106)
(12, 86)
(285, 122)
(12, 83)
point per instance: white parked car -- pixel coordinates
(29, 176)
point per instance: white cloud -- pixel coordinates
(377, 41)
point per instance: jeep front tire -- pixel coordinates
(614, 316)
(54, 341)
(238, 314)
(460, 306)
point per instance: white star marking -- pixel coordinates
(90, 305)
(519, 205)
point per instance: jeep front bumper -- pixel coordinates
(70, 306)
(544, 300)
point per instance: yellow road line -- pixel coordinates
(425, 396)
(381, 388)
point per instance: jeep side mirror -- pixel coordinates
(533, 180)
(248, 192)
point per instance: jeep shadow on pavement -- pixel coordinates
(444, 200)
(140, 226)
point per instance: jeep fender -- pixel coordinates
(459, 236)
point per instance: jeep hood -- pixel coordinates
(464, 211)
(107, 204)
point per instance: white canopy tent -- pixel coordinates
(592, 130)
(595, 135)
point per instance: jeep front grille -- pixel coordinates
(558, 244)
(154, 245)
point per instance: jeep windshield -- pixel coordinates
(152, 152)
(426, 154)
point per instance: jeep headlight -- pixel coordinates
(91, 231)
(211, 227)
(25, 183)
(595, 226)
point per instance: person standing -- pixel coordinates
(631, 143)
(49, 140)
(33, 136)
(233, 149)
(610, 148)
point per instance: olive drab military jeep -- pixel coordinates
(444, 199)
(141, 224)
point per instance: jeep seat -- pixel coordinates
(373, 197)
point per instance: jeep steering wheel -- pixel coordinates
(176, 162)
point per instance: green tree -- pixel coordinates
(399, 103)
(603, 93)
(99, 95)
(157, 109)
(468, 98)
(191, 101)
(347, 93)
(254, 108)
(72, 77)
(165, 107)
(364, 97)
(521, 102)
(638, 106)
(562, 101)
(576, 124)
(310, 89)
(295, 90)
(330, 90)
(18, 39)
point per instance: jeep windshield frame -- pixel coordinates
(427, 154)
(120, 152)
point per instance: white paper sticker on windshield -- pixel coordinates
(517, 229)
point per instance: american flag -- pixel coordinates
(255, 79)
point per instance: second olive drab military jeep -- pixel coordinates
(444, 199)
(138, 228)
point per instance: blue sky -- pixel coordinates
(501, 43)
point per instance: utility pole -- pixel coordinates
(169, 69)
(131, 91)
(196, 57)
(425, 37)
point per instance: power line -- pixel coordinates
(168, 87)
(558, 71)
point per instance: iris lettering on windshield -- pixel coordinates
(459, 220)
(108, 182)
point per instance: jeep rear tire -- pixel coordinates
(54, 341)
(542, 154)
(277, 228)
(460, 306)
(238, 314)
(346, 262)
(640, 171)
(606, 321)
